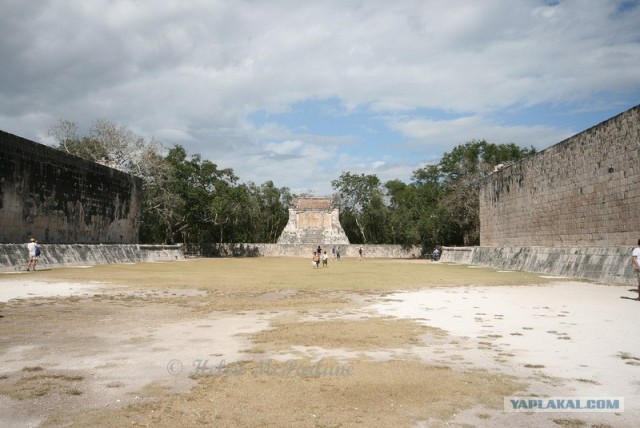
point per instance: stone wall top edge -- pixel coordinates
(603, 124)
(507, 169)
(33, 146)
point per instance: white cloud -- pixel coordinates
(284, 148)
(437, 133)
(190, 73)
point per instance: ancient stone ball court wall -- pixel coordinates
(59, 198)
(13, 257)
(572, 209)
(584, 191)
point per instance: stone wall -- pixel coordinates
(584, 191)
(14, 257)
(59, 198)
(313, 203)
(608, 265)
(298, 250)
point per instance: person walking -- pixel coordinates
(635, 259)
(360, 252)
(34, 253)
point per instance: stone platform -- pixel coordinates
(314, 221)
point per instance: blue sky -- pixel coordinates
(298, 92)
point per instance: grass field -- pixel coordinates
(268, 274)
(79, 353)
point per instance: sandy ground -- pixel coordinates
(23, 289)
(570, 339)
(566, 339)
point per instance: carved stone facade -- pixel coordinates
(313, 221)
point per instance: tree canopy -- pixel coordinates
(184, 198)
(439, 207)
(189, 199)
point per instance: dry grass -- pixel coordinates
(371, 333)
(264, 274)
(392, 393)
(397, 392)
(33, 386)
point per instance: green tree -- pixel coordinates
(162, 207)
(184, 198)
(460, 173)
(207, 194)
(120, 148)
(361, 202)
(272, 207)
(429, 191)
(403, 213)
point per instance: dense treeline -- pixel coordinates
(439, 207)
(189, 199)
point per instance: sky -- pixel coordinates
(298, 92)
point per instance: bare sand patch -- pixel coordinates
(26, 288)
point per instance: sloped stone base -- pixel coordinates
(609, 265)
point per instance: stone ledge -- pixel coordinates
(608, 265)
(14, 257)
(299, 250)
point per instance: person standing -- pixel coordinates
(635, 259)
(315, 261)
(325, 259)
(360, 252)
(338, 253)
(34, 253)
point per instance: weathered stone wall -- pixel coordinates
(14, 257)
(59, 198)
(584, 191)
(313, 204)
(298, 250)
(608, 265)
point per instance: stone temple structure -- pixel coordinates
(313, 221)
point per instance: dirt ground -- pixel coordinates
(271, 342)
